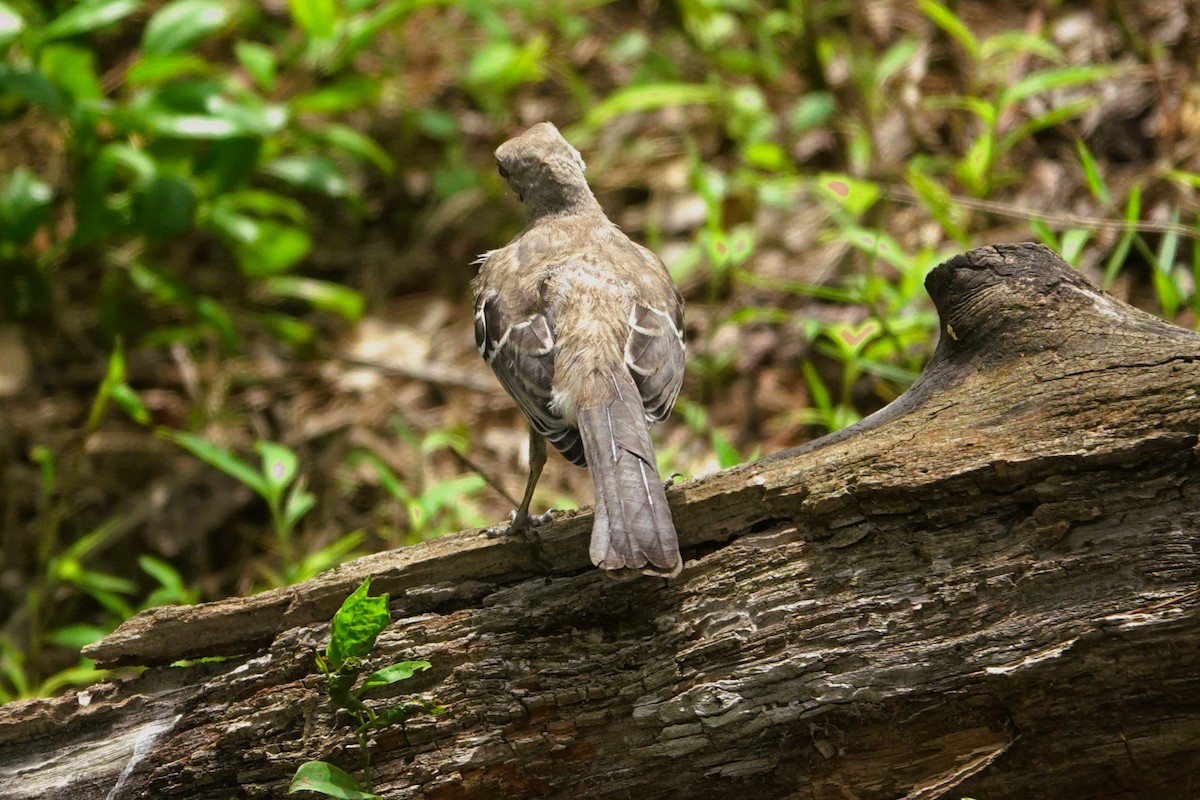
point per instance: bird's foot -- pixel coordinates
(520, 525)
(670, 479)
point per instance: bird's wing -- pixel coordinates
(654, 351)
(519, 345)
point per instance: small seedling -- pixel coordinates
(352, 637)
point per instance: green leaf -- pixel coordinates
(222, 459)
(853, 194)
(24, 204)
(155, 70)
(326, 779)
(1133, 212)
(356, 625)
(501, 64)
(811, 111)
(391, 674)
(648, 98)
(310, 172)
(1091, 173)
(259, 62)
(299, 502)
(359, 145)
(32, 87)
(72, 69)
(315, 17)
(351, 92)
(11, 25)
(325, 295)
(165, 206)
(944, 18)
(128, 401)
(180, 24)
(727, 455)
(1061, 78)
(279, 466)
(87, 16)
(273, 248)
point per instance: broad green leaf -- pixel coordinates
(853, 194)
(274, 248)
(811, 111)
(324, 295)
(76, 637)
(502, 64)
(329, 780)
(180, 24)
(356, 624)
(165, 207)
(32, 87)
(315, 17)
(87, 16)
(350, 92)
(310, 172)
(11, 25)
(391, 674)
(24, 204)
(220, 458)
(72, 69)
(279, 465)
(259, 62)
(262, 203)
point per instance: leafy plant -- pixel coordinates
(353, 632)
(278, 482)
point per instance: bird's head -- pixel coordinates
(544, 170)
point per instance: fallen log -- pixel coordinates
(987, 589)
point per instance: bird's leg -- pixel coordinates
(521, 521)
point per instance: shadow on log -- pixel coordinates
(987, 589)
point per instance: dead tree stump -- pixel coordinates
(988, 589)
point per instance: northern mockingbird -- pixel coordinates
(583, 327)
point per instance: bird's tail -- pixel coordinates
(632, 527)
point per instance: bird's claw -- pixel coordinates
(521, 526)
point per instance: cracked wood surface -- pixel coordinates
(987, 589)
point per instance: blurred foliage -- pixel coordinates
(201, 200)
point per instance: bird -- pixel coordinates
(584, 329)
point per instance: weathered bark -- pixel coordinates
(988, 589)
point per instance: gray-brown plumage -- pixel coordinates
(583, 327)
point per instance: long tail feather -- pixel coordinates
(632, 527)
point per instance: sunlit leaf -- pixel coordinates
(220, 458)
(180, 24)
(391, 674)
(259, 62)
(72, 69)
(87, 16)
(329, 780)
(279, 466)
(945, 19)
(24, 203)
(325, 295)
(315, 17)
(310, 172)
(356, 625)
